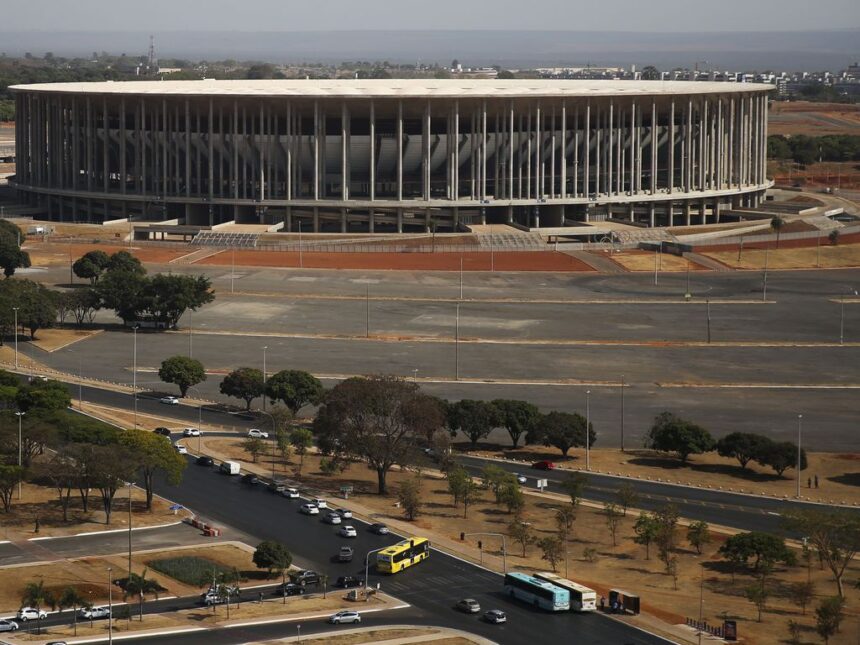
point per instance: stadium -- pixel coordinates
(391, 155)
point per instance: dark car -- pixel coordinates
(544, 464)
(163, 431)
(306, 577)
(379, 529)
(291, 589)
(346, 582)
(203, 460)
(251, 479)
(345, 554)
(276, 487)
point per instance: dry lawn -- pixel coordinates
(644, 261)
(624, 565)
(370, 636)
(42, 502)
(61, 254)
(826, 256)
(50, 340)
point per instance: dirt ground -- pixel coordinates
(826, 256)
(644, 261)
(813, 119)
(42, 502)
(472, 261)
(55, 254)
(623, 565)
(371, 636)
(50, 340)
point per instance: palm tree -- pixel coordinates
(71, 597)
(776, 224)
(35, 595)
(138, 585)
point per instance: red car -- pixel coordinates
(543, 465)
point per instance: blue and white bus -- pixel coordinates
(537, 592)
(581, 597)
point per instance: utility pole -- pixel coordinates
(15, 309)
(130, 486)
(265, 347)
(764, 277)
(20, 416)
(622, 413)
(367, 311)
(708, 304)
(799, 433)
(110, 606)
(587, 428)
(457, 345)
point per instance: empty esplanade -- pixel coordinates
(391, 155)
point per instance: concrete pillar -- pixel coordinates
(372, 160)
(703, 206)
(399, 156)
(688, 211)
(586, 189)
(371, 221)
(316, 220)
(631, 212)
(344, 153)
(563, 172)
(670, 184)
(399, 220)
(651, 215)
(510, 215)
(343, 220)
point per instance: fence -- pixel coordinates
(767, 237)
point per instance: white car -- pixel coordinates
(191, 432)
(8, 626)
(344, 513)
(321, 503)
(30, 613)
(256, 433)
(309, 509)
(345, 617)
(91, 613)
(331, 518)
(348, 531)
(169, 400)
(182, 450)
(521, 479)
(292, 493)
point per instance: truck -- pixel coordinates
(230, 467)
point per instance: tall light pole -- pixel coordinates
(110, 605)
(15, 309)
(708, 305)
(301, 259)
(461, 276)
(701, 599)
(20, 416)
(587, 428)
(764, 277)
(190, 333)
(130, 486)
(799, 433)
(622, 413)
(134, 375)
(367, 311)
(265, 347)
(457, 345)
(367, 566)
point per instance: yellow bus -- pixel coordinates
(402, 555)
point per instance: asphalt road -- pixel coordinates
(432, 587)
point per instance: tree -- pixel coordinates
(111, 468)
(781, 455)
(457, 477)
(37, 596)
(244, 383)
(666, 519)
(301, 439)
(10, 476)
(517, 417)
(650, 73)
(11, 255)
(833, 236)
(834, 534)
(673, 434)
(521, 533)
(165, 298)
(254, 446)
(512, 497)
(743, 446)
(71, 597)
(62, 473)
(43, 396)
(573, 484)
(83, 303)
(295, 388)
(153, 454)
(672, 570)
(35, 302)
(828, 616)
(376, 419)
(802, 594)
(475, 419)
(553, 551)
(183, 372)
(776, 224)
(495, 477)
(564, 431)
(272, 556)
(765, 550)
(91, 266)
(698, 534)
(122, 292)
(758, 594)
(409, 496)
(626, 497)
(139, 585)
(646, 529)
(124, 262)
(613, 519)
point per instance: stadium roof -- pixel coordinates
(398, 88)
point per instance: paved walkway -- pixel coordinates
(596, 261)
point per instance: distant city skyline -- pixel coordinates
(291, 15)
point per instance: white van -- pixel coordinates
(230, 467)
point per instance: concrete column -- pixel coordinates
(343, 220)
(586, 189)
(598, 135)
(456, 152)
(552, 155)
(610, 149)
(688, 211)
(654, 135)
(344, 154)
(703, 206)
(426, 148)
(316, 180)
(399, 159)
(631, 212)
(670, 184)
(371, 221)
(538, 132)
(576, 151)
(563, 173)
(372, 160)
(316, 219)
(399, 220)
(483, 191)
(651, 214)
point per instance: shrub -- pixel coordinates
(191, 570)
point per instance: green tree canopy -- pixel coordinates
(294, 388)
(272, 556)
(244, 383)
(565, 430)
(763, 548)
(781, 455)
(11, 255)
(43, 396)
(743, 446)
(153, 454)
(673, 434)
(475, 419)
(517, 417)
(182, 372)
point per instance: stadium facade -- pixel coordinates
(391, 155)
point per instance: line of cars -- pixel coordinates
(26, 614)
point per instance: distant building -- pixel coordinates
(391, 155)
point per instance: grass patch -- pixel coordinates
(191, 570)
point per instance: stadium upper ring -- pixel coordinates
(392, 155)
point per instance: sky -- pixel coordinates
(326, 15)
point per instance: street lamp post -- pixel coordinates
(764, 276)
(367, 566)
(134, 375)
(15, 309)
(265, 347)
(457, 345)
(708, 304)
(587, 427)
(130, 486)
(799, 431)
(110, 605)
(20, 416)
(190, 333)
(622, 413)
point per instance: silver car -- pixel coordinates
(8, 626)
